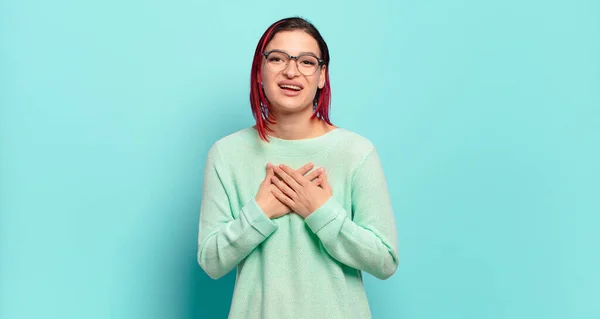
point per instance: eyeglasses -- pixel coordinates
(307, 63)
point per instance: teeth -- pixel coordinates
(293, 87)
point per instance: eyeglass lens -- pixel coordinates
(279, 61)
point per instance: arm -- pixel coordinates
(368, 241)
(222, 240)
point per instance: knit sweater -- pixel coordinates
(290, 267)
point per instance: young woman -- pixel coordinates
(298, 205)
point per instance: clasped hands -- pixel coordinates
(285, 190)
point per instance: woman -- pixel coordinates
(300, 237)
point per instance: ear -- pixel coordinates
(322, 76)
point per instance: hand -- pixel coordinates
(265, 199)
(298, 193)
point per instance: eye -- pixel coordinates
(277, 58)
(308, 61)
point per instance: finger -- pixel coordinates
(282, 198)
(299, 179)
(270, 169)
(314, 174)
(270, 173)
(283, 187)
(287, 178)
(305, 169)
(267, 179)
(326, 186)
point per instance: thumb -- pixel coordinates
(270, 173)
(325, 182)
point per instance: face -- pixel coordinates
(289, 90)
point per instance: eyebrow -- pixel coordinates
(301, 53)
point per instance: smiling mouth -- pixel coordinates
(290, 87)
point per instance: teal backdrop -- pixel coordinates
(485, 113)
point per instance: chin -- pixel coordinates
(291, 107)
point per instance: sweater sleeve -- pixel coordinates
(224, 241)
(367, 241)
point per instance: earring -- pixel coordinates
(264, 110)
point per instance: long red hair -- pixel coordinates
(258, 101)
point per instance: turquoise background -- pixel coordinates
(485, 113)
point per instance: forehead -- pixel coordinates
(294, 42)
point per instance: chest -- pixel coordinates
(243, 181)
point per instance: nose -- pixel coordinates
(291, 71)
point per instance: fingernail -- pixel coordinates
(269, 165)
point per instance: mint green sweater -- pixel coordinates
(290, 267)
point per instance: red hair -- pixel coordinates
(258, 101)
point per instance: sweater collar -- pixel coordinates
(292, 148)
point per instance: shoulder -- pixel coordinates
(354, 145)
(232, 142)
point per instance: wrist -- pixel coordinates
(313, 208)
(265, 208)
(320, 203)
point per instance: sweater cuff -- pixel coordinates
(257, 219)
(323, 215)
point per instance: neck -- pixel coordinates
(299, 125)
